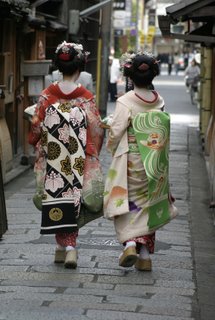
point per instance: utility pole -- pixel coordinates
(104, 58)
(136, 26)
(105, 7)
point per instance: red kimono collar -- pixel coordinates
(80, 91)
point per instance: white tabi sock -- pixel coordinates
(144, 253)
(130, 244)
(69, 248)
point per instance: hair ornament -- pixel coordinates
(157, 61)
(126, 60)
(86, 54)
(128, 65)
(65, 47)
(143, 67)
(64, 56)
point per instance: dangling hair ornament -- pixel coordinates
(143, 67)
(157, 61)
(86, 54)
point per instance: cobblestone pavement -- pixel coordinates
(33, 287)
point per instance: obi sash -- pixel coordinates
(152, 132)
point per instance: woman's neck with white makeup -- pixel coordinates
(144, 92)
(67, 85)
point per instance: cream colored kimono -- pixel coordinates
(122, 181)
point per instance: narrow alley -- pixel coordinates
(181, 285)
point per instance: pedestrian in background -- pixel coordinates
(114, 75)
(137, 195)
(86, 79)
(65, 129)
(170, 63)
(54, 75)
(186, 59)
(176, 62)
(192, 74)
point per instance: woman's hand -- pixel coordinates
(171, 198)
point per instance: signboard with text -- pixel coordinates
(119, 5)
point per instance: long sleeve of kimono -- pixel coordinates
(118, 127)
(38, 117)
(95, 134)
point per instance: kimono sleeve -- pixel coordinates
(38, 117)
(120, 122)
(95, 134)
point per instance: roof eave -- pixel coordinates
(183, 9)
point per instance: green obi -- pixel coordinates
(152, 132)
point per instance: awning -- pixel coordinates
(186, 9)
(200, 11)
(56, 25)
(41, 22)
(36, 22)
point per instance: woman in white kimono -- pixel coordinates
(137, 196)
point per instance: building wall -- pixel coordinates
(8, 129)
(210, 133)
(87, 35)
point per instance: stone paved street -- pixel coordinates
(181, 285)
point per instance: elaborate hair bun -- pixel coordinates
(140, 67)
(146, 60)
(66, 51)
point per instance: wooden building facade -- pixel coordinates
(11, 118)
(30, 32)
(199, 16)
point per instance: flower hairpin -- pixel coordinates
(126, 59)
(150, 55)
(65, 48)
(86, 54)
